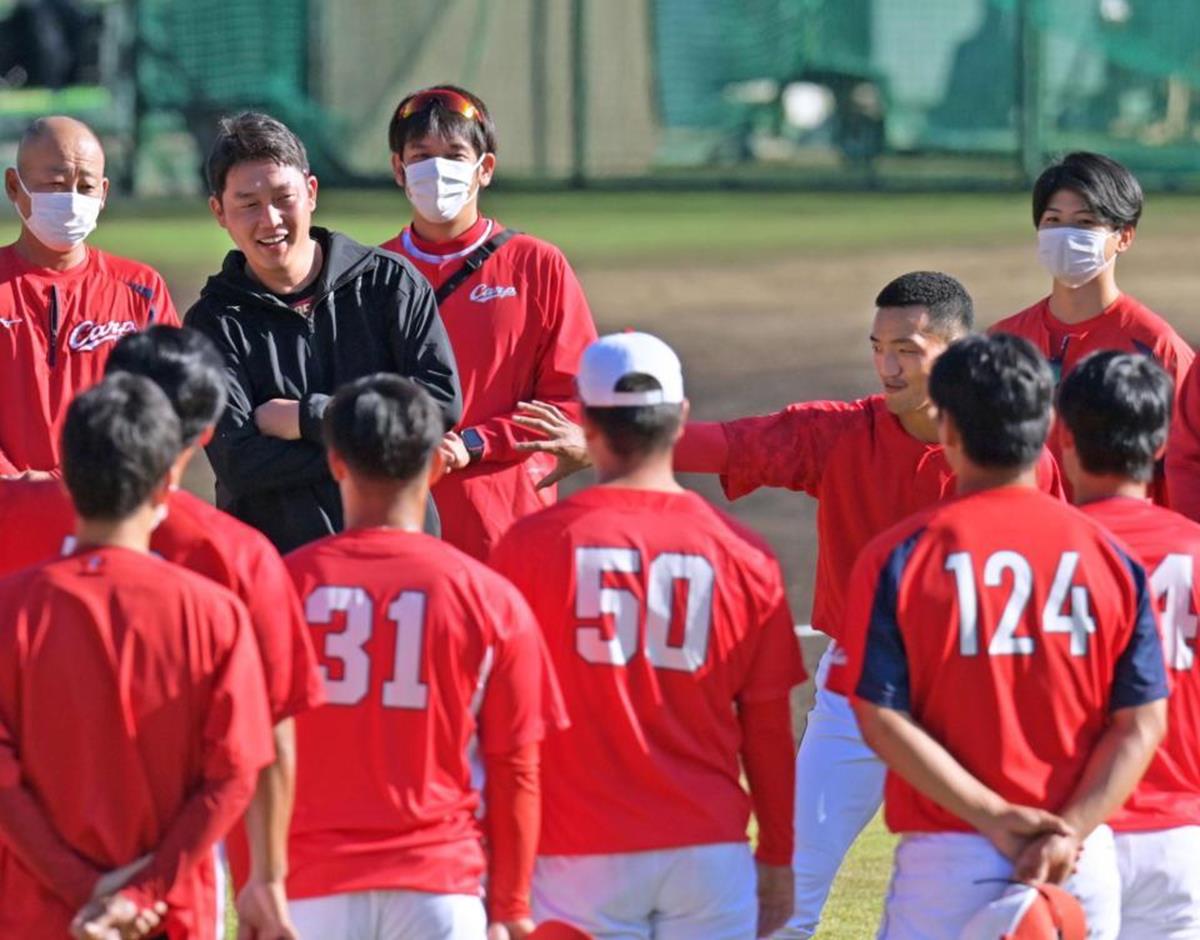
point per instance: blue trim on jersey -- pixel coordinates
(884, 678)
(1140, 675)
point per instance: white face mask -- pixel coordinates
(1073, 256)
(439, 188)
(60, 221)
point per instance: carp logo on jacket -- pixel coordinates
(482, 293)
(89, 335)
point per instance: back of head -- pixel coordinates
(184, 364)
(445, 112)
(951, 310)
(631, 386)
(250, 137)
(384, 427)
(998, 390)
(1111, 192)
(1117, 407)
(119, 440)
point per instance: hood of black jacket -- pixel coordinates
(344, 260)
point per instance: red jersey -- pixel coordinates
(1125, 325)
(1169, 546)
(132, 709)
(866, 472)
(518, 326)
(1009, 625)
(422, 648)
(56, 331)
(1183, 448)
(661, 615)
(201, 538)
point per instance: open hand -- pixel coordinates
(564, 439)
(262, 912)
(776, 896)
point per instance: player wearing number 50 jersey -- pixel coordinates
(1115, 409)
(671, 634)
(1005, 663)
(424, 650)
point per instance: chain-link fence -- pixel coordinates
(726, 92)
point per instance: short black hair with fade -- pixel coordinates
(951, 310)
(249, 137)
(1112, 193)
(1117, 406)
(119, 440)
(182, 362)
(998, 389)
(385, 427)
(637, 430)
(441, 122)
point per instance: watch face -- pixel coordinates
(473, 441)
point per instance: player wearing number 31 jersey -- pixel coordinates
(1115, 409)
(1005, 663)
(671, 635)
(424, 650)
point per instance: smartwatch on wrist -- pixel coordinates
(473, 442)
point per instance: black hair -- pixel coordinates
(1111, 192)
(439, 121)
(637, 430)
(248, 137)
(118, 442)
(182, 362)
(1117, 406)
(951, 310)
(998, 389)
(385, 427)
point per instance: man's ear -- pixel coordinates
(487, 169)
(398, 169)
(437, 467)
(312, 185)
(685, 408)
(1066, 440)
(104, 192)
(1125, 237)
(948, 434)
(218, 210)
(337, 466)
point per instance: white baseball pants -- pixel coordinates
(390, 915)
(1160, 883)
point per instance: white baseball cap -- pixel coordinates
(610, 358)
(1028, 912)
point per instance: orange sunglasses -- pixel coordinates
(450, 100)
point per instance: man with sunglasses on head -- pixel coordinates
(295, 312)
(516, 315)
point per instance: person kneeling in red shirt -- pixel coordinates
(133, 714)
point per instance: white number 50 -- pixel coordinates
(594, 600)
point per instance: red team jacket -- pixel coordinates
(1126, 325)
(518, 327)
(132, 708)
(866, 472)
(1169, 546)
(56, 330)
(1009, 625)
(427, 654)
(659, 613)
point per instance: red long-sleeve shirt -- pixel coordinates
(518, 326)
(56, 331)
(133, 722)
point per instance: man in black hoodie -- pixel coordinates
(297, 311)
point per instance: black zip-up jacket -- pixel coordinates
(371, 312)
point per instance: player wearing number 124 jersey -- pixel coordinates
(1005, 662)
(424, 650)
(670, 632)
(1115, 410)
